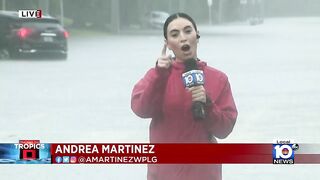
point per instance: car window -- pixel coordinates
(40, 25)
(4, 25)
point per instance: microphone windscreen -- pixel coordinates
(190, 64)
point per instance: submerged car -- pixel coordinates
(154, 19)
(25, 37)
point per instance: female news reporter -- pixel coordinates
(162, 96)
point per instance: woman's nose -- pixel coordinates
(183, 37)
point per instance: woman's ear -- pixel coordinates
(198, 36)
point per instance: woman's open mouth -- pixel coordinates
(185, 47)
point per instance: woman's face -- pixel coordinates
(182, 39)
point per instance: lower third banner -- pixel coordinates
(34, 152)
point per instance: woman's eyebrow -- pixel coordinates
(176, 30)
(187, 27)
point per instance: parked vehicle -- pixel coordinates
(24, 37)
(154, 19)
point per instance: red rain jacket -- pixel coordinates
(161, 95)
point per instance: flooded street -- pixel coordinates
(273, 68)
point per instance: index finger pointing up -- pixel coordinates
(164, 50)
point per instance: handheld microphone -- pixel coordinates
(194, 77)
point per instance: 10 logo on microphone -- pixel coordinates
(193, 78)
(283, 152)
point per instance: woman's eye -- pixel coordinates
(188, 31)
(174, 35)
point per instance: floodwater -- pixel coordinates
(273, 68)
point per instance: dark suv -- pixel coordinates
(21, 37)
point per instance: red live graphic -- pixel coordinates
(30, 13)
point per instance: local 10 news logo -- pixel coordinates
(193, 78)
(283, 152)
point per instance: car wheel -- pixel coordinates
(4, 54)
